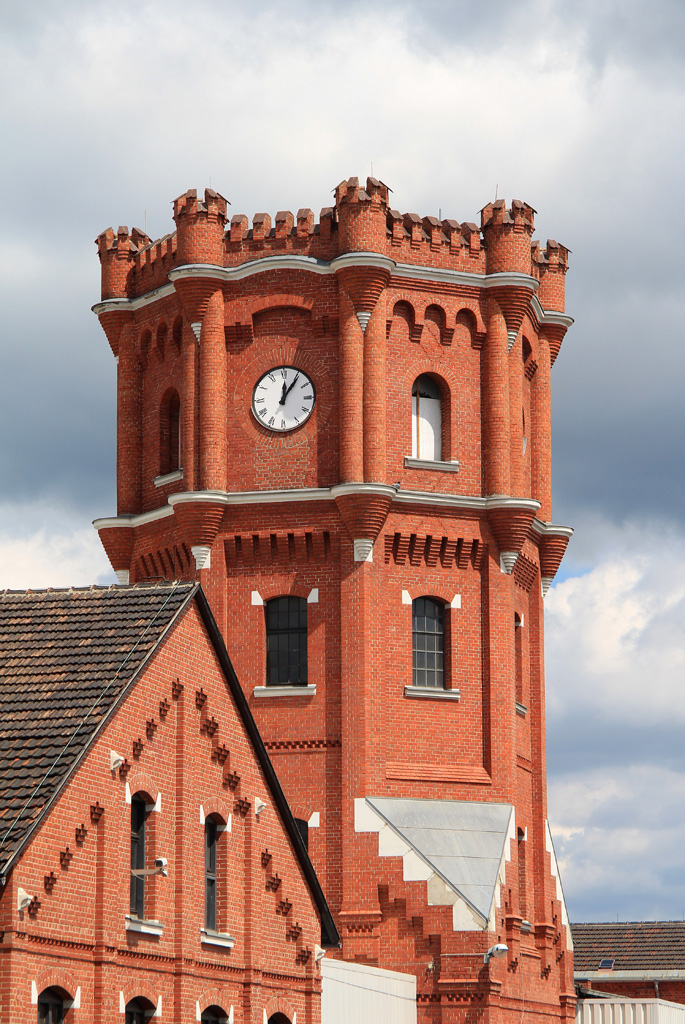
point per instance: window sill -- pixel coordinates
(445, 467)
(285, 691)
(168, 478)
(137, 924)
(209, 937)
(431, 693)
(521, 709)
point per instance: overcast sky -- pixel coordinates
(112, 110)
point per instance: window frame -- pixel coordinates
(418, 612)
(51, 999)
(278, 666)
(211, 875)
(438, 446)
(138, 830)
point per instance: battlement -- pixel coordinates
(360, 220)
(214, 206)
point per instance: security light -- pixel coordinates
(499, 949)
(115, 760)
(23, 899)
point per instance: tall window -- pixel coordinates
(138, 813)
(210, 874)
(170, 433)
(518, 657)
(286, 641)
(426, 419)
(50, 1007)
(428, 642)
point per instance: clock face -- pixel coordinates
(283, 398)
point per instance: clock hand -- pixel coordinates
(292, 385)
(283, 395)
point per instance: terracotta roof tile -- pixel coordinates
(633, 946)
(65, 658)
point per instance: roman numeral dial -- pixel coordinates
(283, 398)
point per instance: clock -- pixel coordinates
(283, 398)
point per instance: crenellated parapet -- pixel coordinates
(362, 215)
(507, 235)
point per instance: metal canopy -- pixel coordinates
(462, 842)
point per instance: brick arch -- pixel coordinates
(144, 344)
(141, 782)
(440, 592)
(472, 311)
(216, 805)
(279, 1005)
(177, 331)
(529, 331)
(213, 997)
(270, 590)
(283, 300)
(161, 335)
(141, 988)
(59, 978)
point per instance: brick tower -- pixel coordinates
(342, 429)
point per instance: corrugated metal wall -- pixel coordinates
(629, 1011)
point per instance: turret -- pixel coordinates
(362, 215)
(200, 227)
(507, 235)
(117, 257)
(552, 264)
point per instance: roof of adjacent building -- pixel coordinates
(632, 945)
(67, 657)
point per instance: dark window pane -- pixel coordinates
(210, 874)
(286, 641)
(137, 902)
(428, 642)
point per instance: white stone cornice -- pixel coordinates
(551, 529)
(132, 521)
(550, 316)
(468, 502)
(131, 305)
(293, 261)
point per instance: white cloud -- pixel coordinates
(616, 635)
(43, 546)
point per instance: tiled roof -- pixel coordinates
(65, 658)
(633, 946)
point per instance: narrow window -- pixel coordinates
(518, 657)
(170, 433)
(426, 420)
(286, 641)
(50, 1007)
(210, 874)
(428, 642)
(138, 814)
(523, 887)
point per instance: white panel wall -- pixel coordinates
(629, 1011)
(356, 994)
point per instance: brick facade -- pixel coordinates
(188, 753)
(337, 511)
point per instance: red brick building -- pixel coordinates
(342, 428)
(150, 866)
(631, 959)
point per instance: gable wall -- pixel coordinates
(80, 924)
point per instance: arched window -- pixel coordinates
(278, 1018)
(138, 1011)
(214, 1015)
(50, 1007)
(518, 657)
(138, 816)
(428, 642)
(426, 419)
(170, 433)
(286, 641)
